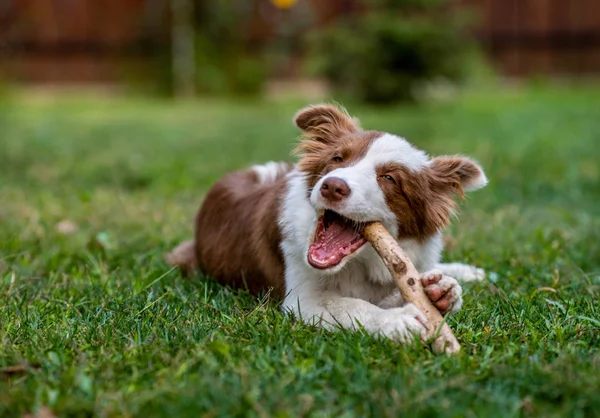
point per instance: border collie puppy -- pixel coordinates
(297, 229)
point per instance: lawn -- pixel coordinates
(93, 191)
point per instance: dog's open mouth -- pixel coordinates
(336, 237)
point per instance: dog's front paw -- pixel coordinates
(444, 291)
(403, 324)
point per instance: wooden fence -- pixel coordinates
(78, 40)
(540, 36)
(88, 40)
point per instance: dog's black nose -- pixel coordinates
(335, 189)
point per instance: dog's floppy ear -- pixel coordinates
(325, 122)
(457, 173)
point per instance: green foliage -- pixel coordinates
(229, 61)
(105, 328)
(387, 53)
(222, 69)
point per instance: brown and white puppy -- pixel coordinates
(297, 228)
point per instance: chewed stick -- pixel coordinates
(411, 289)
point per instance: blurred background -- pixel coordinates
(368, 50)
(117, 116)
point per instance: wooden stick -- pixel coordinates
(408, 281)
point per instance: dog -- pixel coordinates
(296, 229)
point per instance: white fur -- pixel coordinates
(464, 272)
(392, 148)
(271, 171)
(360, 291)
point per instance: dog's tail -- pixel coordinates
(184, 257)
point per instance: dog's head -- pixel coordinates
(356, 176)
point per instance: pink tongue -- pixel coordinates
(336, 237)
(332, 244)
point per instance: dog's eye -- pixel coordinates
(388, 178)
(337, 159)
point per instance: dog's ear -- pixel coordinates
(457, 174)
(325, 122)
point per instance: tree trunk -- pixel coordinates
(182, 42)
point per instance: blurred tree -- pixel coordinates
(182, 50)
(230, 49)
(389, 48)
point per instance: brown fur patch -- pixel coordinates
(423, 202)
(420, 209)
(325, 122)
(454, 172)
(237, 233)
(345, 150)
(331, 139)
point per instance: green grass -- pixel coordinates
(107, 329)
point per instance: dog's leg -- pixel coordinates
(462, 272)
(331, 311)
(393, 300)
